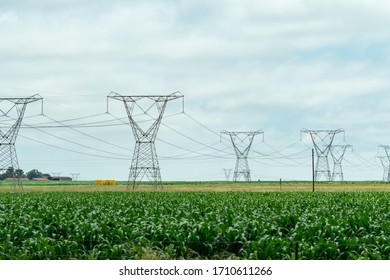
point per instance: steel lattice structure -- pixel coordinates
(8, 135)
(338, 152)
(386, 168)
(227, 173)
(322, 141)
(145, 161)
(242, 142)
(386, 162)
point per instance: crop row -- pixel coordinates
(195, 225)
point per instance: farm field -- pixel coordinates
(90, 222)
(213, 186)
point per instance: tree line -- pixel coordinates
(19, 173)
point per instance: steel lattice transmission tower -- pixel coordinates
(75, 176)
(386, 162)
(386, 168)
(145, 161)
(338, 152)
(242, 142)
(13, 109)
(227, 173)
(322, 141)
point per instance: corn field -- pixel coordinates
(195, 225)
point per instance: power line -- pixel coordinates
(202, 125)
(196, 154)
(55, 123)
(194, 140)
(90, 136)
(70, 150)
(75, 143)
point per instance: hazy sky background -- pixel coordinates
(276, 66)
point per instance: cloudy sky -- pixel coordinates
(277, 66)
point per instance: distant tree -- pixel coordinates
(3, 176)
(11, 173)
(19, 173)
(35, 173)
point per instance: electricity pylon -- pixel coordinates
(13, 109)
(145, 161)
(338, 152)
(322, 141)
(75, 176)
(227, 173)
(386, 168)
(242, 142)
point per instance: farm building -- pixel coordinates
(40, 179)
(15, 179)
(60, 178)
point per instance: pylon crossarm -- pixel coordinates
(22, 100)
(317, 131)
(156, 98)
(314, 133)
(114, 95)
(160, 102)
(19, 101)
(248, 133)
